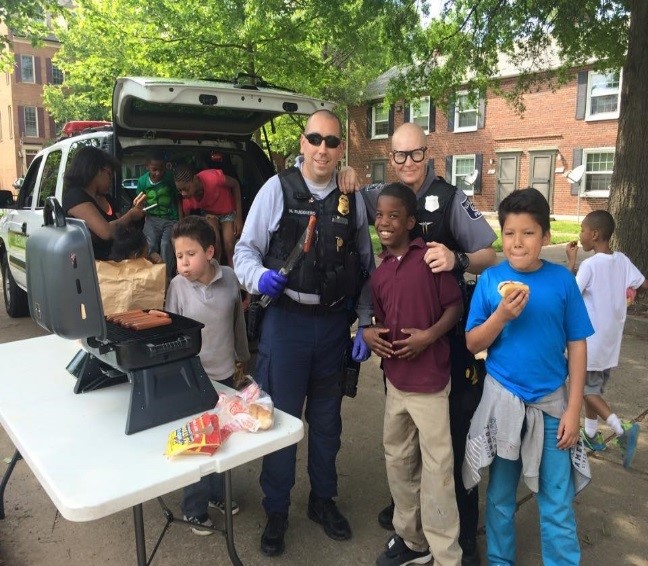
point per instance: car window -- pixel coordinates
(76, 146)
(26, 194)
(49, 176)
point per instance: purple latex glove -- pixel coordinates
(272, 283)
(360, 351)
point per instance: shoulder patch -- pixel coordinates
(471, 209)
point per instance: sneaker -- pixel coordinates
(628, 442)
(397, 553)
(197, 530)
(593, 443)
(220, 505)
(386, 517)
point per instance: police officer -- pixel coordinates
(305, 330)
(459, 239)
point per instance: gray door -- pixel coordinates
(541, 166)
(507, 176)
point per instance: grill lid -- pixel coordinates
(62, 284)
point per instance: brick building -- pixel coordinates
(25, 125)
(560, 129)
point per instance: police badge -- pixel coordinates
(343, 205)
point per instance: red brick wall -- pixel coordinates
(548, 122)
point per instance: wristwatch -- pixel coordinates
(462, 261)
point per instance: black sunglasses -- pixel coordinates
(316, 139)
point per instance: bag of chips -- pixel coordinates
(201, 435)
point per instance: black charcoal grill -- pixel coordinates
(162, 364)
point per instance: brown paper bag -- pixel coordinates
(131, 284)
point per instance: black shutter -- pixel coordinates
(21, 121)
(577, 159)
(430, 166)
(17, 72)
(48, 70)
(406, 113)
(481, 112)
(581, 95)
(477, 186)
(40, 117)
(448, 171)
(390, 124)
(432, 117)
(451, 113)
(369, 119)
(38, 75)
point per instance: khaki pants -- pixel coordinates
(418, 454)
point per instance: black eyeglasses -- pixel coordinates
(316, 139)
(417, 155)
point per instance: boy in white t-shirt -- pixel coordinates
(603, 280)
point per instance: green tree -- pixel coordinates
(463, 45)
(24, 18)
(324, 49)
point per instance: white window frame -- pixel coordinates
(22, 70)
(583, 185)
(28, 134)
(374, 110)
(458, 111)
(591, 75)
(423, 111)
(455, 178)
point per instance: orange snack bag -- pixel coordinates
(199, 436)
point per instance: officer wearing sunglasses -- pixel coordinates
(459, 239)
(305, 330)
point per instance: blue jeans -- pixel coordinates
(300, 360)
(158, 235)
(559, 538)
(196, 497)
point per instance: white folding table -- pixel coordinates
(76, 446)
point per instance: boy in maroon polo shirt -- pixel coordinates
(414, 309)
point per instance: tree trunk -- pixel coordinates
(629, 191)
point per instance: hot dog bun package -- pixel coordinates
(249, 409)
(201, 435)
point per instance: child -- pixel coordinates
(129, 242)
(209, 293)
(526, 421)
(414, 310)
(158, 186)
(215, 195)
(603, 280)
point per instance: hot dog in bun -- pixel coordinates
(505, 288)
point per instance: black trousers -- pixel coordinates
(467, 378)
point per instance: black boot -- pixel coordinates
(386, 517)
(326, 513)
(272, 540)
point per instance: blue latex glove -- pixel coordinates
(272, 283)
(360, 351)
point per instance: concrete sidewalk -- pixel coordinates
(612, 512)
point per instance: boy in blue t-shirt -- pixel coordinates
(527, 421)
(160, 189)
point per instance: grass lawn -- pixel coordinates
(562, 231)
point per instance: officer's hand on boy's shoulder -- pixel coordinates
(439, 257)
(348, 180)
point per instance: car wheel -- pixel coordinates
(15, 298)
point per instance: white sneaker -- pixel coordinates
(197, 530)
